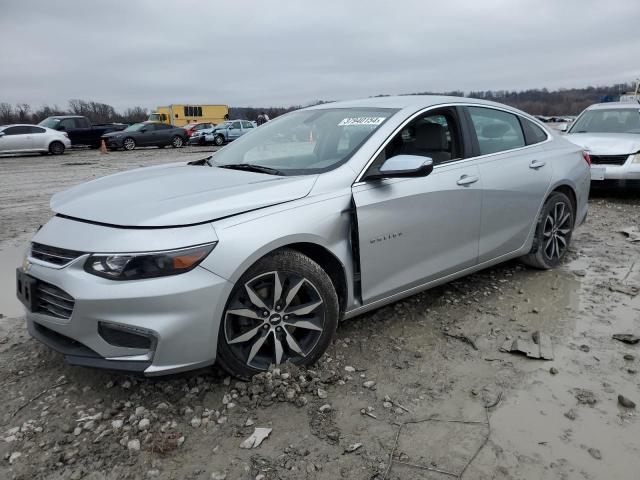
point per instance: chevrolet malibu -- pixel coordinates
(610, 132)
(252, 257)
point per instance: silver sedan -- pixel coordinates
(252, 256)
(21, 138)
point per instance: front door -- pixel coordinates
(415, 230)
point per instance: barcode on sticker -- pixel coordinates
(361, 121)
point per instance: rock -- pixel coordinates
(626, 338)
(571, 414)
(256, 438)
(595, 453)
(117, 423)
(349, 369)
(629, 357)
(153, 473)
(144, 424)
(586, 397)
(13, 457)
(77, 431)
(370, 384)
(553, 371)
(139, 411)
(325, 408)
(218, 476)
(352, 448)
(133, 445)
(249, 422)
(584, 348)
(126, 384)
(322, 393)
(625, 402)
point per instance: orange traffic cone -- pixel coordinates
(103, 147)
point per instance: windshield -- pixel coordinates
(50, 122)
(305, 142)
(135, 127)
(614, 120)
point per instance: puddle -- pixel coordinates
(10, 259)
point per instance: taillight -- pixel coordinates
(586, 158)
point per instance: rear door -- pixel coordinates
(515, 178)
(39, 139)
(235, 130)
(412, 231)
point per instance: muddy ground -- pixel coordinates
(422, 380)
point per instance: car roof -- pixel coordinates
(611, 105)
(407, 101)
(66, 116)
(21, 125)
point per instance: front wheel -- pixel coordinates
(56, 148)
(129, 143)
(283, 309)
(177, 142)
(218, 140)
(553, 233)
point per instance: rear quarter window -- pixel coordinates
(532, 133)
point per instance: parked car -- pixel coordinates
(610, 132)
(146, 134)
(199, 137)
(228, 131)
(21, 138)
(252, 256)
(80, 130)
(193, 128)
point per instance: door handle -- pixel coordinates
(467, 180)
(537, 164)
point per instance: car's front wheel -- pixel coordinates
(129, 143)
(283, 309)
(553, 233)
(177, 142)
(218, 140)
(56, 148)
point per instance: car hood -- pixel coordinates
(606, 143)
(116, 133)
(176, 194)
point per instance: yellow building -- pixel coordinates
(181, 115)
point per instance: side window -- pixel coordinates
(162, 126)
(247, 125)
(496, 130)
(37, 130)
(235, 125)
(67, 123)
(81, 122)
(532, 132)
(14, 131)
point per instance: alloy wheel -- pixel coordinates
(129, 144)
(557, 227)
(177, 142)
(273, 318)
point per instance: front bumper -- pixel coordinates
(113, 142)
(626, 171)
(179, 314)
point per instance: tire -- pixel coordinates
(218, 140)
(128, 144)
(553, 233)
(258, 329)
(177, 141)
(56, 148)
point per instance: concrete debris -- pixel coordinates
(632, 233)
(256, 438)
(539, 347)
(627, 338)
(585, 397)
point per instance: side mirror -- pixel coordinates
(403, 166)
(564, 127)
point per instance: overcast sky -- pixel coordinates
(268, 53)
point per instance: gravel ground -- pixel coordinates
(419, 389)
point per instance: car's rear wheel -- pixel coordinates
(553, 233)
(283, 309)
(56, 148)
(177, 142)
(129, 143)
(218, 140)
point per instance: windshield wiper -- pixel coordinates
(249, 167)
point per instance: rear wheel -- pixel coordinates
(283, 309)
(218, 140)
(129, 143)
(553, 233)
(56, 148)
(177, 142)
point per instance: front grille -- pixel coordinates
(54, 255)
(53, 301)
(608, 159)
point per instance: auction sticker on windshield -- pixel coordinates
(362, 121)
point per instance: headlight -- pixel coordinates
(636, 158)
(134, 266)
